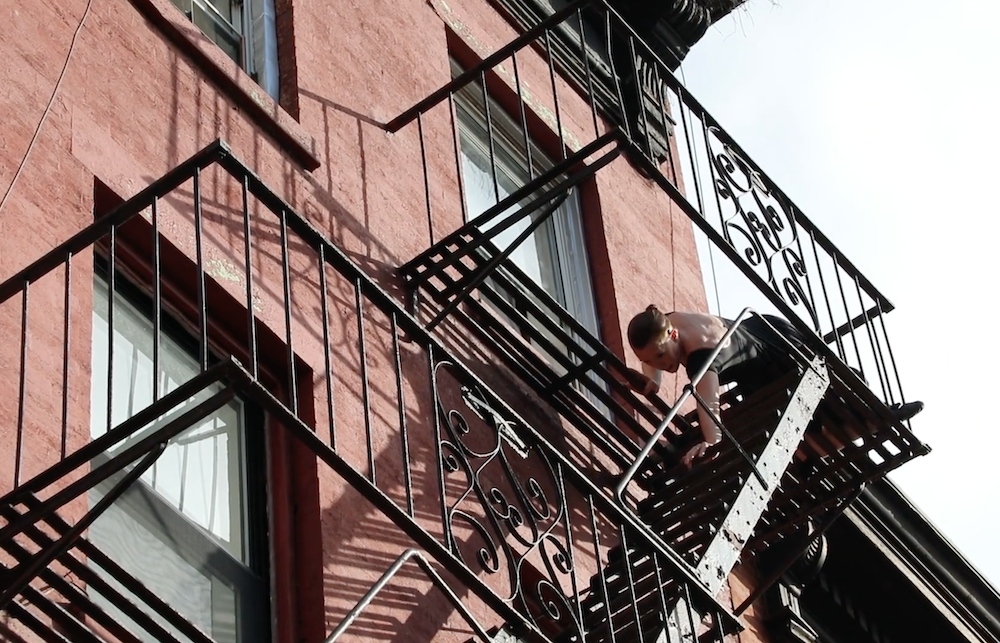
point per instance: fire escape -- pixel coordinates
(557, 552)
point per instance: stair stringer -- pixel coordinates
(727, 544)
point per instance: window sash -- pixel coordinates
(185, 529)
(245, 30)
(555, 255)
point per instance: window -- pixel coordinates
(554, 256)
(244, 30)
(192, 529)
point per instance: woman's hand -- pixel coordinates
(696, 452)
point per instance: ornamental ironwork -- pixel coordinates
(509, 504)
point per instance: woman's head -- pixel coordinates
(647, 327)
(654, 339)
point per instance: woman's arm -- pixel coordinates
(708, 390)
(645, 383)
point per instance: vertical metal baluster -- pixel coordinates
(427, 182)
(615, 77)
(715, 184)
(641, 100)
(200, 258)
(696, 166)
(524, 117)
(157, 301)
(826, 299)
(67, 302)
(871, 338)
(365, 392)
(22, 386)
(456, 137)
(601, 568)
(401, 408)
(847, 312)
(880, 361)
(446, 531)
(716, 180)
(293, 390)
(248, 258)
(590, 77)
(664, 609)
(892, 358)
(793, 219)
(660, 91)
(627, 559)
(112, 249)
(719, 630)
(690, 611)
(555, 94)
(489, 138)
(564, 503)
(325, 307)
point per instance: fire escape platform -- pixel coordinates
(850, 442)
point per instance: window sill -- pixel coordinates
(243, 90)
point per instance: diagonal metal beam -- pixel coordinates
(725, 547)
(28, 570)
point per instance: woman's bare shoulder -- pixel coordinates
(687, 318)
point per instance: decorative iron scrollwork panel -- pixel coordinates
(758, 223)
(505, 506)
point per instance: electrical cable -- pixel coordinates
(48, 106)
(708, 242)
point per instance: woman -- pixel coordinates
(757, 353)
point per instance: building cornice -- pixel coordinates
(908, 540)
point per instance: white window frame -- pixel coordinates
(563, 233)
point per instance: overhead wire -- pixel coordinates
(48, 106)
(708, 242)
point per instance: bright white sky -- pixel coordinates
(880, 119)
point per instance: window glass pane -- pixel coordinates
(554, 256)
(182, 530)
(183, 5)
(226, 8)
(480, 196)
(199, 473)
(178, 579)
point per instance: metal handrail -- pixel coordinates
(821, 291)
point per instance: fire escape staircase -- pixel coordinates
(51, 572)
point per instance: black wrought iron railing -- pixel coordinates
(583, 74)
(559, 74)
(337, 362)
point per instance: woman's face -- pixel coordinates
(662, 353)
